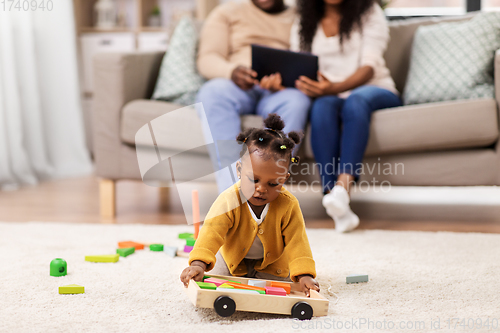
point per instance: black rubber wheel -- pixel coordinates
(302, 311)
(225, 306)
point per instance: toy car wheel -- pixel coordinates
(302, 311)
(224, 306)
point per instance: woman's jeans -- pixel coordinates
(340, 129)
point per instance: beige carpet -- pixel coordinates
(416, 278)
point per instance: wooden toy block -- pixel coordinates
(283, 285)
(206, 285)
(226, 301)
(234, 290)
(58, 267)
(244, 286)
(257, 283)
(186, 235)
(72, 289)
(225, 286)
(215, 281)
(181, 253)
(170, 250)
(126, 244)
(103, 258)
(188, 248)
(156, 247)
(125, 251)
(356, 278)
(190, 241)
(275, 291)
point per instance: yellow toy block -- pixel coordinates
(72, 289)
(103, 258)
(226, 286)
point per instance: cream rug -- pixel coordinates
(417, 279)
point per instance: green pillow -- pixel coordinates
(453, 60)
(178, 80)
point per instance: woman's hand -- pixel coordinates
(196, 271)
(272, 82)
(307, 283)
(317, 88)
(244, 77)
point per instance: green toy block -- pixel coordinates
(205, 285)
(72, 289)
(190, 241)
(156, 247)
(356, 278)
(186, 235)
(58, 267)
(126, 251)
(103, 258)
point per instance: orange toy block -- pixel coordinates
(244, 286)
(285, 286)
(137, 246)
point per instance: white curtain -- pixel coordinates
(41, 123)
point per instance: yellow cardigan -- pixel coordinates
(229, 227)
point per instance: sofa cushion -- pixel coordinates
(178, 80)
(139, 112)
(429, 127)
(452, 61)
(434, 126)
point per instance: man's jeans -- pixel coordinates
(224, 102)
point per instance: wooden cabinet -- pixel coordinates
(93, 43)
(132, 32)
(152, 41)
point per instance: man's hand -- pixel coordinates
(195, 271)
(307, 283)
(272, 82)
(244, 77)
(317, 88)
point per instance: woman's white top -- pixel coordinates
(363, 48)
(257, 249)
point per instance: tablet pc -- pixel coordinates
(291, 65)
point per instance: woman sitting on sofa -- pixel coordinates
(349, 37)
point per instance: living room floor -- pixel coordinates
(77, 200)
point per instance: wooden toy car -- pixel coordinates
(226, 302)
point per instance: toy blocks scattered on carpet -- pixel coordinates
(356, 278)
(103, 258)
(125, 251)
(72, 289)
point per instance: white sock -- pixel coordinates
(337, 207)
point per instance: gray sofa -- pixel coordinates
(446, 143)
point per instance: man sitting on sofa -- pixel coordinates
(225, 59)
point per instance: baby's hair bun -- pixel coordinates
(274, 122)
(295, 136)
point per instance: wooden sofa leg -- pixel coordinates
(107, 192)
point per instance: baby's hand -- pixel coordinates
(194, 272)
(307, 283)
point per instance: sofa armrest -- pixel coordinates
(118, 79)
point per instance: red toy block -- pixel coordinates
(275, 291)
(137, 246)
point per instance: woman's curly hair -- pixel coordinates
(271, 139)
(312, 11)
